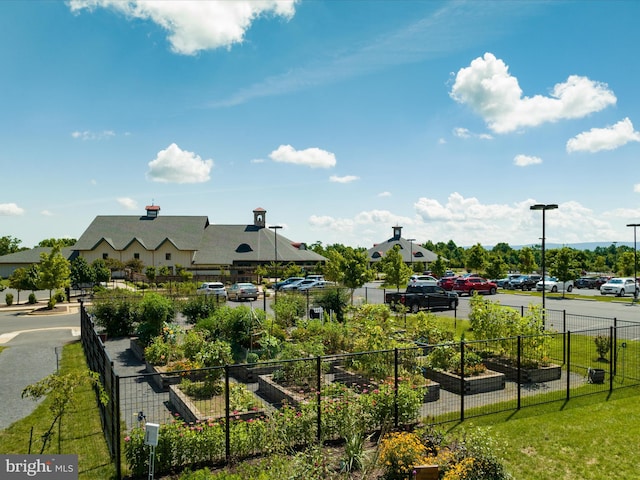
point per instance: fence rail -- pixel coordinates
(318, 389)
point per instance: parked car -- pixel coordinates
(315, 277)
(212, 288)
(470, 285)
(316, 284)
(601, 280)
(447, 282)
(298, 284)
(422, 280)
(586, 282)
(620, 286)
(523, 282)
(287, 281)
(552, 284)
(422, 296)
(242, 291)
(501, 282)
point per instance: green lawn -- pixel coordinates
(587, 438)
(81, 431)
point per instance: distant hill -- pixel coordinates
(578, 246)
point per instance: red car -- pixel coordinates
(474, 284)
(447, 282)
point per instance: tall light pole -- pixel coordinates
(275, 229)
(411, 240)
(544, 208)
(635, 259)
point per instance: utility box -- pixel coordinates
(151, 431)
(315, 312)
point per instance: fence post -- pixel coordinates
(568, 395)
(117, 419)
(227, 408)
(564, 320)
(319, 397)
(519, 374)
(395, 390)
(613, 337)
(614, 351)
(462, 380)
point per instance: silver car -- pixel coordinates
(242, 291)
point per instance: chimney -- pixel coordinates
(259, 217)
(397, 232)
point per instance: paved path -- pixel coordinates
(31, 355)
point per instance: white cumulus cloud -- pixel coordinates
(488, 88)
(310, 157)
(175, 165)
(526, 160)
(10, 209)
(384, 194)
(194, 26)
(608, 138)
(344, 179)
(128, 203)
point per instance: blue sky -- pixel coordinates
(340, 118)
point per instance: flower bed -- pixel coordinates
(539, 374)
(488, 381)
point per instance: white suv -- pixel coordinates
(416, 280)
(212, 288)
(619, 286)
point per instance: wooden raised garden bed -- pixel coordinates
(488, 381)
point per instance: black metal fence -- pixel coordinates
(380, 386)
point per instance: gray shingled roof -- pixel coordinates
(185, 232)
(27, 257)
(406, 246)
(213, 244)
(224, 244)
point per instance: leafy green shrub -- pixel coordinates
(201, 390)
(603, 344)
(60, 296)
(192, 343)
(198, 307)
(115, 311)
(51, 303)
(8, 298)
(32, 299)
(288, 308)
(153, 312)
(159, 352)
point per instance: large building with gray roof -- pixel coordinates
(190, 242)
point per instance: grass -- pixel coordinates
(81, 431)
(591, 437)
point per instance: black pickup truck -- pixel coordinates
(419, 297)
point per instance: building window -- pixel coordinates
(136, 256)
(167, 256)
(105, 256)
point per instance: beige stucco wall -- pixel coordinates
(156, 258)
